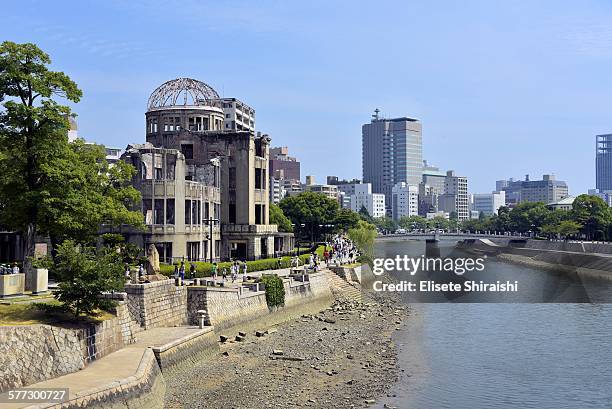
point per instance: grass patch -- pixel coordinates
(49, 312)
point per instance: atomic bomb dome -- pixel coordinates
(181, 92)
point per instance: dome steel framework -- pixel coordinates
(181, 91)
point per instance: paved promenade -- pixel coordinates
(114, 367)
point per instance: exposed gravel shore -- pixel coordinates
(342, 357)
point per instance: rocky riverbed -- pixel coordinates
(342, 357)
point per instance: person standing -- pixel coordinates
(244, 270)
(213, 272)
(192, 270)
(182, 271)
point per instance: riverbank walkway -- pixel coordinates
(113, 368)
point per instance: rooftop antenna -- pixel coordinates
(375, 116)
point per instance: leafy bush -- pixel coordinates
(203, 269)
(275, 290)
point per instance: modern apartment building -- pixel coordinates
(488, 203)
(392, 152)
(374, 203)
(238, 116)
(405, 199)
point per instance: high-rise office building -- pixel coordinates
(603, 162)
(392, 152)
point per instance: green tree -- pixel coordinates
(365, 215)
(412, 222)
(593, 214)
(313, 210)
(84, 274)
(49, 186)
(346, 219)
(82, 192)
(528, 216)
(385, 223)
(567, 228)
(33, 134)
(439, 222)
(278, 217)
(363, 236)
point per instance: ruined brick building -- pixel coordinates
(203, 175)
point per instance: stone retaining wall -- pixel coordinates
(186, 351)
(35, 353)
(227, 307)
(559, 260)
(157, 304)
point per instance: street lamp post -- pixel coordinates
(210, 221)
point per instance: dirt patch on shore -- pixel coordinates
(342, 357)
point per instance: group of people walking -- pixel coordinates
(236, 268)
(343, 250)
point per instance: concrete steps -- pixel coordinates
(341, 289)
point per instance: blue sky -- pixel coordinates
(502, 88)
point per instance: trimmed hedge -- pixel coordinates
(203, 268)
(275, 290)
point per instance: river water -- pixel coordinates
(548, 345)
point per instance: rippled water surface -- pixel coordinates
(510, 354)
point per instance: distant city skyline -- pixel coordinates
(501, 89)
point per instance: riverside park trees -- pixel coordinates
(49, 186)
(311, 213)
(589, 218)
